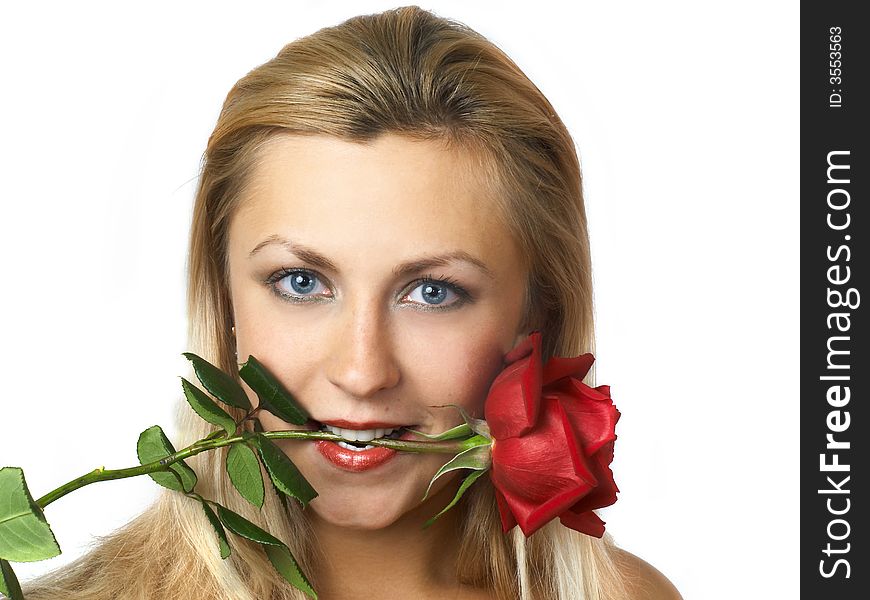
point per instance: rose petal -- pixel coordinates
(558, 367)
(543, 473)
(604, 390)
(524, 348)
(605, 493)
(591, 414)
(586, 522)
(511, 407)
(507, 518)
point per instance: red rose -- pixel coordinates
(552, 441)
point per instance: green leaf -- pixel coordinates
(153, 445)
(218, 529)
(478, 426)
(273, 396)
(244, 471)
(219, 384)
(286, 565)
(9, 585)
(283, 498)
(478, 458)
(24, 533)
(284, 474)
(451, 434)
(206, 408)
(476, 440)
(241, 526)
(466, 483)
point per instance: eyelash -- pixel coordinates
(461, 292)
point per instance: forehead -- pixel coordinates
(391, 196)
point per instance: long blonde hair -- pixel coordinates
(402, 71)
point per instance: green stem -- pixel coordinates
(445, 447)
(215, 441)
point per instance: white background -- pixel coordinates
(686, 118)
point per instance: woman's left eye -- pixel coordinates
(436, 293)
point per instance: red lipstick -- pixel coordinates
(357, 461)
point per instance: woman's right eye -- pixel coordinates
(298, 285)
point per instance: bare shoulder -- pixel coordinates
(644, 581)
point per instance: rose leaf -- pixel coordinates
(24, 533)
(206, 408)
(478, 458)
(219, 384)
(284, 474)
(218, 529)
(241, 526)
(9, 585)
(457, 432)
(153, 445)
(286, 565)
(273, 396)
(244, 471)
(466, 483)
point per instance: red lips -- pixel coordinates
(357, 460)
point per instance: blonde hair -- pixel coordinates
(408, 72)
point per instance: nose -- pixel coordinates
(362, 361)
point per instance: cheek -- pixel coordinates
(288, 343)
(457, 367)
(278, 329)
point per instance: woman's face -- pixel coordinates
(375, 281)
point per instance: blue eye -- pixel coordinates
(297, 284)
(431, 293)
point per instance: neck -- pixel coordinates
(400, 560)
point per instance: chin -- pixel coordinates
(374, 511)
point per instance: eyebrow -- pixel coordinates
(416, 265)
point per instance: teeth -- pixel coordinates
(360, 435)
(354, 448)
